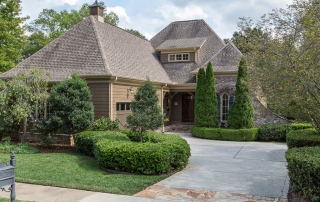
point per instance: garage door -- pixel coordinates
(123, 110)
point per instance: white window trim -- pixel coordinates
(175, 57)
(221, 107)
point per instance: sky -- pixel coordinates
(151, 16)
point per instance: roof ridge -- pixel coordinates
(187, 20)
(103, 55)
(232, 44)
(124, 30)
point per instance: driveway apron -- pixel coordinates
(223, 170)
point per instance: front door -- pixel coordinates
(187, 108)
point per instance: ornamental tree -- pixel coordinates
(146, 113)
(19, 98)
(241, 113)
(285, 65)
(200, 101)
(70, 106)
(211, 102)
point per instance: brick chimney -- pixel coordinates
(97, 11)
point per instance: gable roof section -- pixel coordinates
(188, 30)
(182, 43)
(226, 60)
(93, 48)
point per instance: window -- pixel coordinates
(123, 106)
(224, 107)
(178, 57)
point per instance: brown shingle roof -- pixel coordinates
(94, 48)
(182, 43)
(188, 30)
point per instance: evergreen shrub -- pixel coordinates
(304, 171)
(299, 126)
(274, 132)
(85, 141)
(225, 134)
(105, 124)
(303, 138)
(159, 153)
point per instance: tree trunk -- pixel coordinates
(24, 130)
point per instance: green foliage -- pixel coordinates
(104, 124)
(304, 168)
(300, 126)
(284, 66)
(85, 141)
(137, 33)
(241, 113)
(199, 106)
(7, 147)
(211, 103)
(160, 154)
(20, 97)
(53, 24)
(12, 39)
(274, 132)
(225, 134)
(71, 108)
(146, 113)
(303, 138)
(35, 42)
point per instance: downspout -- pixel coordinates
(111, 98)
(162, 105)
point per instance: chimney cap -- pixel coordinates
(95, 4)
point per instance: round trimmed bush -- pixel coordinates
(304, 169)
(85, 140)
(159, 154)
(303, 138)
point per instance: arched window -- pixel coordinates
(224, 107)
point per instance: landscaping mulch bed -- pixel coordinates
(295, 197)
(55, 148)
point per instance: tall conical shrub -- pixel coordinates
(241, 113)
(199, 106)
(211, 102)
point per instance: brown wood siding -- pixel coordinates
(164, 57)
(100, 98)
(121, 95)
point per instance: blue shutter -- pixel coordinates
(231, 98)
(219, 106)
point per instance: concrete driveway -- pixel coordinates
(242, 168)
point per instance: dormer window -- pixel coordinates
(178, 57)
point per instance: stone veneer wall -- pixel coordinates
(262, 115)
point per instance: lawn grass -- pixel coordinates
(8, 200)
(76, 171)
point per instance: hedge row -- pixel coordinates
(278, 132)
(113, 150)
(225, 134)
(303, 138)
(304, 171)
(85, 141)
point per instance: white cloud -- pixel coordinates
(174, 13)
(121, 12)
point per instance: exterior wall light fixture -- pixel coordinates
(131, 91)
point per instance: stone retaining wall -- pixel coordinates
(56, 139)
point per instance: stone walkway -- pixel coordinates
(181, 194)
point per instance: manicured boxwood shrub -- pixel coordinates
(303, 138)
(299, 126)
(85, 140)
(304, 171)
(274, 132)
(225, 134)
(160, 153)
